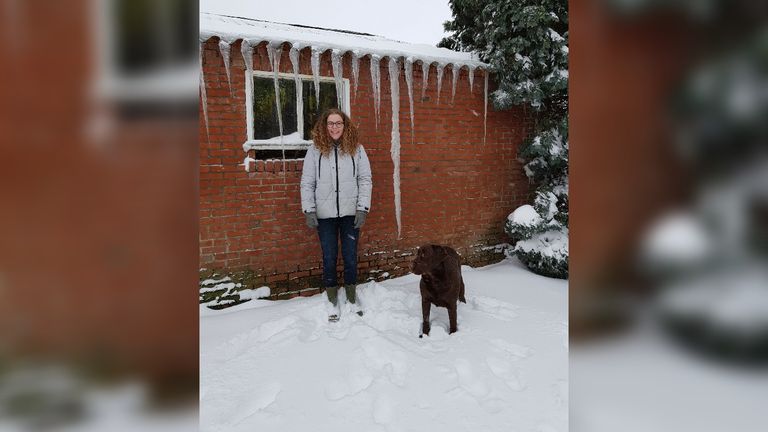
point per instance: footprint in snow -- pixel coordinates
(255, 403)
(358, 380)
(383, 408)
(517, 352)
(468, 380)
(504, 371)
(493, 307)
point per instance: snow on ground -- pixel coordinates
(278, 366)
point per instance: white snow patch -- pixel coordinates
(277, 366)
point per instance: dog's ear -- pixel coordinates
(440, 254)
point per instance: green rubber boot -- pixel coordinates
(333, 297)
(352, 297)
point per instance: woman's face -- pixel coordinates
(335, 126)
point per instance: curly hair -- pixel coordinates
(323, 140)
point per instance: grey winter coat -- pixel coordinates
(335, 185)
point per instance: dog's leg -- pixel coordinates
(425, 307)
(452, 318)
(461, 292)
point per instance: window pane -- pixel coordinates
(150, 34)
(311, 111)
(265, 123)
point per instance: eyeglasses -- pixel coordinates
(336, 124)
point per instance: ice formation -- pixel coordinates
(409, 81)
(456, 69)
(224, 49)
(394, 79)
(338, 70)
(376, 83)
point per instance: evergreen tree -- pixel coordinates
(526, 44)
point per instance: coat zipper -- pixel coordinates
(336, 154)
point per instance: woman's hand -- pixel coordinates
(311, 219)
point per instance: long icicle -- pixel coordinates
(356, 68)
(338, 72)
(471, 79)
(224, 49)
(409, 82)
(440, 68)
(316, 75)
(293, 54)
(246, 49)
(485, 109)
(203, 94)
(376, 83)
(424, 78)
(275, 53)
(456, 69)
(394, 80)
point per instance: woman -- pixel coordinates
(335, 198)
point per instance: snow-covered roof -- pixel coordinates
(230, 29)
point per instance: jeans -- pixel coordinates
(330, 231)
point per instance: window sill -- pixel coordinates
(272, 145)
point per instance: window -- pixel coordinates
(263, 126)
(147, 55)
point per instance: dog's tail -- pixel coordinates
(461, 292)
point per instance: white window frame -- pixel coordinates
(254, 144)
(171, 82)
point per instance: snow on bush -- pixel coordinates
(542, 240)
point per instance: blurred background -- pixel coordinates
(98, 229)
(669, 215)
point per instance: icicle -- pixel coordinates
(424, 77)
(274, 58)
(356, 68)
(224, 48)
(439, 80)
(409, 81)
(316, 74)
(456, 70)
(203, 94)
(375, 82)
(485, 109)
(247, 51)
(471, 79)
(338, 71)
(394, 80)
(293, 54)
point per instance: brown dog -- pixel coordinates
(441, 282)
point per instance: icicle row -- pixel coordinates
(394, 79)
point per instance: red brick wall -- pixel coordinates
(455, 189)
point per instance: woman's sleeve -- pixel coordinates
(364, 182)
(308, 181)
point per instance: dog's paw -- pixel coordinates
(425, 328)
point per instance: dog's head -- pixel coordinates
(428, 259)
